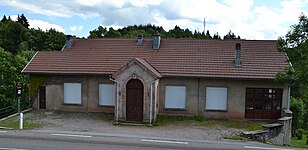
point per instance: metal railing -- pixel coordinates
(6, 111)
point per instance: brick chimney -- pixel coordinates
(69, 41)
(156, 41)
(139, 39)
(237, 61)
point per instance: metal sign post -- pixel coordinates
(18, 99)
(18, 95)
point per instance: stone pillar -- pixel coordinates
(287, 126)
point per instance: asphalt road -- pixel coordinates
(57, 140)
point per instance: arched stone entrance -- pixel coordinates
(134, 100)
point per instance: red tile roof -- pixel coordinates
(176, 57)
(144, 64)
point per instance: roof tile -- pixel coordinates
(176, 57)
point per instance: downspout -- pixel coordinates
(151, 100)
(198, 99)
(156, 97)
(117, 107)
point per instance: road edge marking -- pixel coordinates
(163, 141)
(265, 148)
(71, 135)
(6, 148)
(3, 131)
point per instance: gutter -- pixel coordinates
(289, 96)
(289, 87)
(28, 63)
(117, 106)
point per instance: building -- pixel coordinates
(137, 79)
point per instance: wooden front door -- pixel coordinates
(42, 97)
(134, 100)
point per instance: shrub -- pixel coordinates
(297, 107)
(299, 134)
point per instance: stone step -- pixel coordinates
(272, 125)
(256, 132)
(255, 135)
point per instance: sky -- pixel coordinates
(251, 19)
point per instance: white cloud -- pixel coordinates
(36, 7)
(44, 25)
(76, 28)
(243, 17)
(14, 17)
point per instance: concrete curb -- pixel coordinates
(5, 128)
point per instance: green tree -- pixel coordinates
(297, 107)
(4, 19)
(98, 33)
(177, 32)
(11, 35)
(230, 35)
(54, 40)
(7, 78)
(216, 36)
(208, 35)
(23, 21)
(17, 46)
(111, 33)
(36, 39)
(295, 44)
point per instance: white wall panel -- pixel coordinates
(216, 98)
(175, 97)
(72, 93)
(106, 94)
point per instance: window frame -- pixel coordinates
(99, 95)
(263, 102)
(185, 98)
(226, 97)
(64, 97)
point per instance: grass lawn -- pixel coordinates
(300, 143)
(14, 124)
(239, 124)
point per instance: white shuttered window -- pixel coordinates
(106, 94)
(216, 98)
(72, 93)
(175, 97)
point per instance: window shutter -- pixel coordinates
(216, 98)
(72, 93)
(175, 97)
(106, 94)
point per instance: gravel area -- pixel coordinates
(96, 122)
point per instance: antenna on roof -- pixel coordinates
(204, 23)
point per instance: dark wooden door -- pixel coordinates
(134, 100)
(42, 97)
(263, 103)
